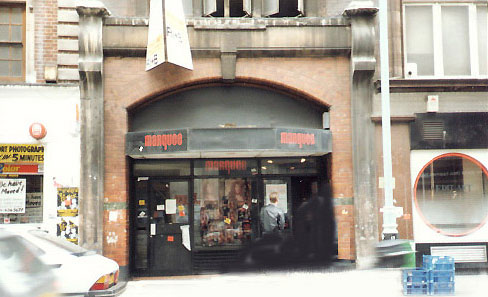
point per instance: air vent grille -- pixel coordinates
(461, 254)
(433, 130)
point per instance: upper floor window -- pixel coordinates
(12, 42)
(446, 40)
(227, 8)
(242, 8)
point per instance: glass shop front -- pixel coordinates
(195, 215)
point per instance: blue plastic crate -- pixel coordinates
(441, 288)
(416, 275)
(441, 276)
(438, 262)
(415, 288)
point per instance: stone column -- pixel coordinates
(363, 62)
(91, 15)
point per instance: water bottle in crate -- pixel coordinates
(438, 262)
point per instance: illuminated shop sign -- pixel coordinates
(302, 139)
(156, 142)
(21, 153)
(227, 165)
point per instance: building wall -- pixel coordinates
(55, 104)
(56, 108)
(325, 80)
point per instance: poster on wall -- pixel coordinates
(67, 208)
(67, 202)
(12, 195)
(67, 228)
(281, 189)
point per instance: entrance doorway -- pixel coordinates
(162, 226)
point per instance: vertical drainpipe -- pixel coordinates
(90, 63)
(363, 62)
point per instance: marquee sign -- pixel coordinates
(280, 140)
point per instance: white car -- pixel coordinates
(22, 273)
(79, 272)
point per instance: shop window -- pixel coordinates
(20, 198)
(289, 166)
(446, 40)
(227, 8)
(282, 8)
(222, 211)
(12, 42)
(451, 193)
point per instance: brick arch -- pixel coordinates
(321, 80)
(243, 82)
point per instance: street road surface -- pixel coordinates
(374, 282)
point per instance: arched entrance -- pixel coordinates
(203, 163)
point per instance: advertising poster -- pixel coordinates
(67, 202)
(68, 220)
(12, 195)
(67, 228)
(281, 189)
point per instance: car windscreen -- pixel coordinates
(60, 242)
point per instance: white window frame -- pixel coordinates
(437, 33)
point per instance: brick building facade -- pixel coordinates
(316, 60)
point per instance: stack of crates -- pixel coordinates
(436, 277)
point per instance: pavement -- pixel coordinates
(328, 282)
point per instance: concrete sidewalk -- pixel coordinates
(374, 282)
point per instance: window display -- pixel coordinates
(21, 199)
(452, 194)
(222, 210)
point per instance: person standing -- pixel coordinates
(272, 217)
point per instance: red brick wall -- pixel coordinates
(45, 35)
(324, 80)
(402, 194)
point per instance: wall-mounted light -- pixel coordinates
(37, 130)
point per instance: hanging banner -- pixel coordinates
(12, 195)
(177, 42)
(155, 40)
(167, 35)
(21, 153)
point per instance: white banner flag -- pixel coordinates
(155, 38)
(169, 36)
